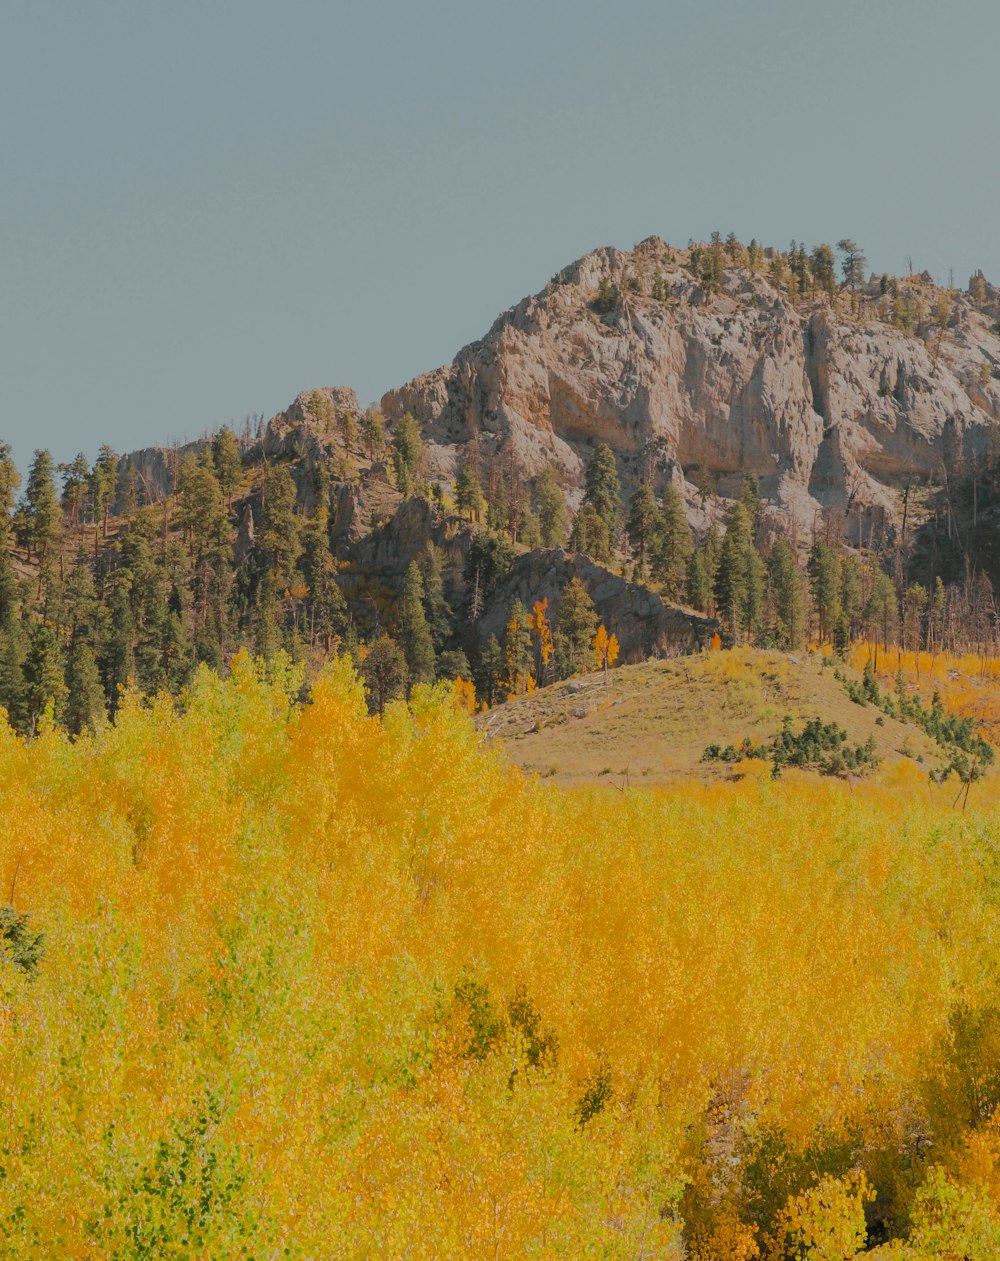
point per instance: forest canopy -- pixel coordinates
(308, 979)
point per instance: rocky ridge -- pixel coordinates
(826, 409)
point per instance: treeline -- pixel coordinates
(100, 590)
(769, 590)
(239, 552)
(912, 303)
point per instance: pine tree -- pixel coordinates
(85, 706)
(852, 264)
(326, 609)
(373, 432)
(576, 622)
(103, 483)
(673, 544)
(44, 684)
(731, 579)
(552, 514)
(10, 480)
(13, 643)
(824, 580)
(436, 607)
(787, 595)
(517, 650)
(228, 463)
(697, 584)
(42, 513)
(602, 489)
(529, 530)
(749, 497)
(278, 535)
(643, 518)
(753, 610)
(823, 269)
(415, 635)
(75, 476)
(469, 493)
(489, 674)
(453, 664)
(590, 534)
(384, 672)
(407, 451)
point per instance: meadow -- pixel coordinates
(316, 984)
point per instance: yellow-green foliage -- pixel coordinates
(356, 988)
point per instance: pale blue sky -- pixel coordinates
(206, 207)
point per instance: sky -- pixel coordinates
(209, 206)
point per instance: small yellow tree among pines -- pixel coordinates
(541, 633)
(605, 648)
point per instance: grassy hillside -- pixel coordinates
(316, 984)
(652, 722)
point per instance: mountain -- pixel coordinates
(431, 538)
(821, 397)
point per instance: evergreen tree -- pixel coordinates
(103, 481)
(436, 607)
(42, 513)
(228, 463)
(787, 595)
(552, 514)
(13, 643)
(489, 674)
(576, 622)
(469, 493)
(697, 584)
(44, 682)
(278, 536)
(731, 586)
(85, 696)
(384, 672)
(529, 530)
(851, 593)
(517, 650)
(824, 580)
(749, 497)
(326, 609)
(852, 264)
(415, 635)
(407, 450)
(754, 609)
(75, 477)
(823, 269)
(373, 432)
(590, 534)
(10, 480)
(643, 518)
(602, 489)
(672, 545)
(453, 664)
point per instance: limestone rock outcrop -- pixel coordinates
(828, 410)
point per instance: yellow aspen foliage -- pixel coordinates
(465, 695)
(826, 1222)
(541, 629)
(604, 648)
(287, 979)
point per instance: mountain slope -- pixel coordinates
(652, 723)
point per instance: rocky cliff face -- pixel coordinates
(829, 410)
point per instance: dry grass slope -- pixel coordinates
(651, 724)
